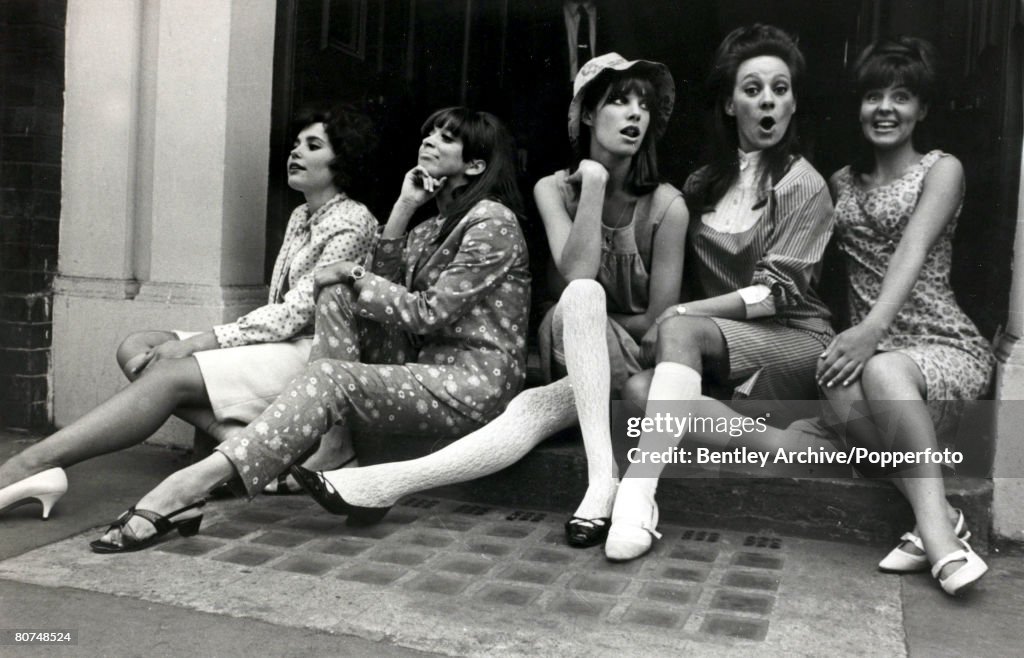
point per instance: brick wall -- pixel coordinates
(31, 114)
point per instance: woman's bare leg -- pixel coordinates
(124, 420)
(131, 352)
(894, 388)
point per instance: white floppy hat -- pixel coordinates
(658, 74)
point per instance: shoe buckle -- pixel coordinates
(648, 528)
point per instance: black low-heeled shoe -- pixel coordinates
(162, 523)
(321, 490)
(282, 488)
(584, 533)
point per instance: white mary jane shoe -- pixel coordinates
(968, 573)
(900, 561)
(634, 519)
(46, 486)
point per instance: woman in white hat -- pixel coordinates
(617, 236)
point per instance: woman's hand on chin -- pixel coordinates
(418, 187)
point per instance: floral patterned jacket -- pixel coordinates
(463, 303)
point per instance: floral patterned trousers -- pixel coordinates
(385, 397)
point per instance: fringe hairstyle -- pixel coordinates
(610, 85)
(484, 137)
(900, 61)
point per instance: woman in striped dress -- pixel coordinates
(755, 323)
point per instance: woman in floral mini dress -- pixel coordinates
(910, 342)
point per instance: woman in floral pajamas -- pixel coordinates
(439, 322)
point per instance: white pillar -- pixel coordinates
(166, 140)
(1008, 471)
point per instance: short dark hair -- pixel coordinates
(740, 45)
(352, 136)
(643, 171)
(484, 137)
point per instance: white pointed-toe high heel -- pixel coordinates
(46, 486)
(900, 561)
(969, 572)
(634, 519)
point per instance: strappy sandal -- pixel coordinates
(901, 561)
(163, 524)
(283, 488)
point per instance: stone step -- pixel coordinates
(835, 506)
(553, 477)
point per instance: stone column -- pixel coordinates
(1008, 471)
(167, 125)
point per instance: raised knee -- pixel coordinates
(582, 296)
(882, 374)
(332, 369)
(680, 331)
(131, 347)
(334, 297)
(885, 377)
(637, 387)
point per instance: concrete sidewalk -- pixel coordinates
(280, 577)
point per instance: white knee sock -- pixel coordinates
(531, 417)
(584, 327)
(672, 381)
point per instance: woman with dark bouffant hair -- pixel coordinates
(896, 213)
(222, 378)
(754, 322)
(438, 319)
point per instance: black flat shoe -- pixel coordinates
(319, 487)
(282, 488)
(584, 533)
(163, 524)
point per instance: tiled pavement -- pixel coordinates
(451, 577)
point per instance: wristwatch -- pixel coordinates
(357, 273)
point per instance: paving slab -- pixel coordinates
(466, 579)
(986, 621)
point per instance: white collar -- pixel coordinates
(747, 159)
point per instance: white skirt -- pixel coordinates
(242, 381)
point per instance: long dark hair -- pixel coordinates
(608, 85)
(740, 45)
(484, 137)
(900, 61)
